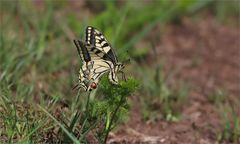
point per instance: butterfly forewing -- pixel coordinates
(98, 40)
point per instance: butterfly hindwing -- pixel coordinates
(88, 52)
(92, 71)
(82, 51)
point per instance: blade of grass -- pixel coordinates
(43, 30)
(33, 131)
(119, 27)
(162, 18)
(73, 138)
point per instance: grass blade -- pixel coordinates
(73, 138)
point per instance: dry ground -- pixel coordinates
(206, 55)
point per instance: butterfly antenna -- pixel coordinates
(74, 87)
(127, 61)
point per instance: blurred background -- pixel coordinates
(184, 53)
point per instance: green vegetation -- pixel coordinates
(98, 116)
(228, 109)
(166, 103)
(231, 123)
(39, 65)
(162, 101)
(217, 97)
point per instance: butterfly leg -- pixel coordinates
(123, 75)
(74, 87)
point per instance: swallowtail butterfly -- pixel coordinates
(98, 58)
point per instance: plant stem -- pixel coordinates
(113, 117)
(87, 114)
(87, 106)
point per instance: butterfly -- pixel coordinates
(97, 58)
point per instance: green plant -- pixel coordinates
(218, 96)
(161, 100)
(97, 117)
(21, 122)
(104, 110)
(231, 124)
(229, 111)
(226, 10)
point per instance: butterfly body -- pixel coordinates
(98, 58)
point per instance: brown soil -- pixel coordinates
(206, 55)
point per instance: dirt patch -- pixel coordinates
(206, 55)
